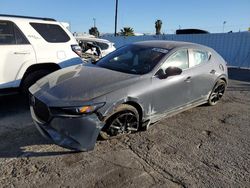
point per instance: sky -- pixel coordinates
(138, 14)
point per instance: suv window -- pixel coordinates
(178, 59)
(7, 33)
(20, 38)
(102, 45)
(11, 34)
(51, 32)
(197, 57)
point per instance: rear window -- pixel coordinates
(51, 32)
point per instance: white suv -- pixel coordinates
(31, 48)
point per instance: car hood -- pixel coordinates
(79, 83)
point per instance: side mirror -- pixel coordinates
(172, 71)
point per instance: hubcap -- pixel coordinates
(123, 123)
(217, 93)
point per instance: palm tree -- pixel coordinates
(158, 24)
(94, 31)
(127, 31)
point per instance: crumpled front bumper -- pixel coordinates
(78, 133)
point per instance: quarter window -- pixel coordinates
(51, 32)
(197, 57)
(178, 59)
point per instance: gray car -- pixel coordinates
(125, 91)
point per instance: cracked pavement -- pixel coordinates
(202, 147)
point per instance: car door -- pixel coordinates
(15, 51)
(171, 92)
(202, 74)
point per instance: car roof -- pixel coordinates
(26, 17)
(170, 44)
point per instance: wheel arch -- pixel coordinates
(41, 66)
(222, 77)
(129, 101)
(137, 107)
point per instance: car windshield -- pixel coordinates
(133, 59)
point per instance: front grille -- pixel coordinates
(41, 110)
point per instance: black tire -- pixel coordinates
(217, 93)
(127, 127)
(31, 78)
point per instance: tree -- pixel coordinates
(158, 24)
(127, 31)
(249, 29)
(94, 31)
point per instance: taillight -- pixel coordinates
(77, 49)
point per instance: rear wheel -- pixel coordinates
(217, 92)
(31, 78)
(124, 120)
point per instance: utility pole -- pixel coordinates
(94, 22)
(116, 10)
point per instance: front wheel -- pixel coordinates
(217, 93)
(124, 120)
(31, 78)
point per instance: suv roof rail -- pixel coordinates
(29, 17)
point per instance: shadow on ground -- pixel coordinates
(17, 128)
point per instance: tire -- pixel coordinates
(128, 118)
(217, 93)
(31, 78)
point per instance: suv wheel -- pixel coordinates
(31, 78)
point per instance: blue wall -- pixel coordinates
(233, 47)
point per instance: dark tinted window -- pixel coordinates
(102, 45)
(11, 34)
(51, 32)
(133, 59)
(7, 35)
(20, 38)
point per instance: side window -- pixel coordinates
(11, 34)
(178, 59)
(20, 38)
(7, 35)
(197, 57)
(51, 32)
(102, 45)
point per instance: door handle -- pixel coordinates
(21, 53)
(212, 71)
(188, 79)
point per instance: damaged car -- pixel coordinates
(126, 91)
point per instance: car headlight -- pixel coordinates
(87, 109)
